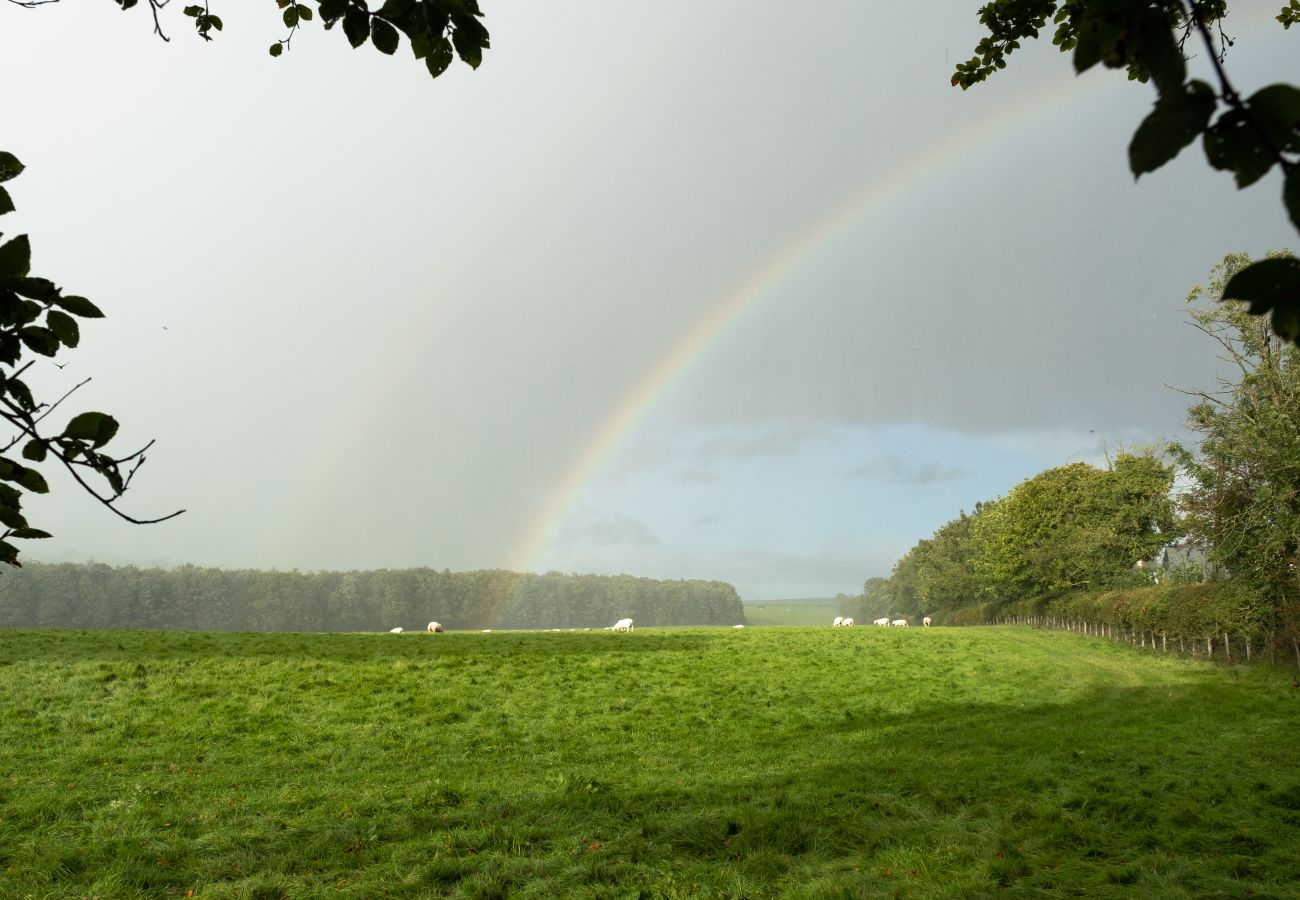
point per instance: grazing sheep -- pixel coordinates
(899, 623)
(394, 631)
(926, 621)
(624, 625)
(838, 623)
(883, 622)
(487, 630)
(737, 626)
(847, 623)
(435, 628)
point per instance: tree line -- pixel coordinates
(1085, 543)
(94, 595)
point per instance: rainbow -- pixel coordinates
(870, 200)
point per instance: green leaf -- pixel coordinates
(192, 11)
(6, 202)
(1270, 284)
(10, 167)
(16, 258)
(470, 37)
(1291, 195)
(20, 392)
(30, 533)
(20, 474)
(331, 10)
(41, 289)
(8, 552)
(1234, 145)
(10, 517)
(1174, 123)
(1277, 108)
(39, 340)
(439, 58)
(396, 9)
(277, 48)
(356, 25)
(215, 22)
(304, 13)
(291, 17)
(383, 35)
(64, 327)
(80, 306)
(96, 427)
(35, 450)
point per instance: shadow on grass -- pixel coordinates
(1190, 791)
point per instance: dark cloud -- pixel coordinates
(894, 469)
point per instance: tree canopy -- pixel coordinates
(1244, 499)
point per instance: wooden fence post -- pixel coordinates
(1209, 647)
(1227, 647)
(1164, 642)
(1247, 649)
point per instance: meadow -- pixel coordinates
(792, 612)
(763, 762)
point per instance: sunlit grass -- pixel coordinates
(685, 762)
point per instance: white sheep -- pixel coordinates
(926, 621)
(737, 626)
(847, 623)
(623, 625)
(899, 623)
(435, 628)
(394, 631)
(838, 623)
(883, 622)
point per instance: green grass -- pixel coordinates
(792, 612)
(751, 763)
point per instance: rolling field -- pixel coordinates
(770, 762)
(796, 612)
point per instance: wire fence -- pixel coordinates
(1224, 647)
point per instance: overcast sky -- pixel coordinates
(682, 290)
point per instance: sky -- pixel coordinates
(676, 290)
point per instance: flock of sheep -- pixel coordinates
(883, 622)
(625, 625)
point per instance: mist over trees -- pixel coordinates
(94, 595)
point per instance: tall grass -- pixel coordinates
(727, 763)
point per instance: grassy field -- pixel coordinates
(792, 612)
(748, 763)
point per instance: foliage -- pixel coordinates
(1076, 525)
(1173, 609)
(69, 595)
(1149, 39)
(37, 317)
(436, 30)
(1068, 527)
(1243, 503)
(759, 763)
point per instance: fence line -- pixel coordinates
(1218, 647)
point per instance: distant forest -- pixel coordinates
(94, 595)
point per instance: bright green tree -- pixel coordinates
(1244, 501)
(1076, 526)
